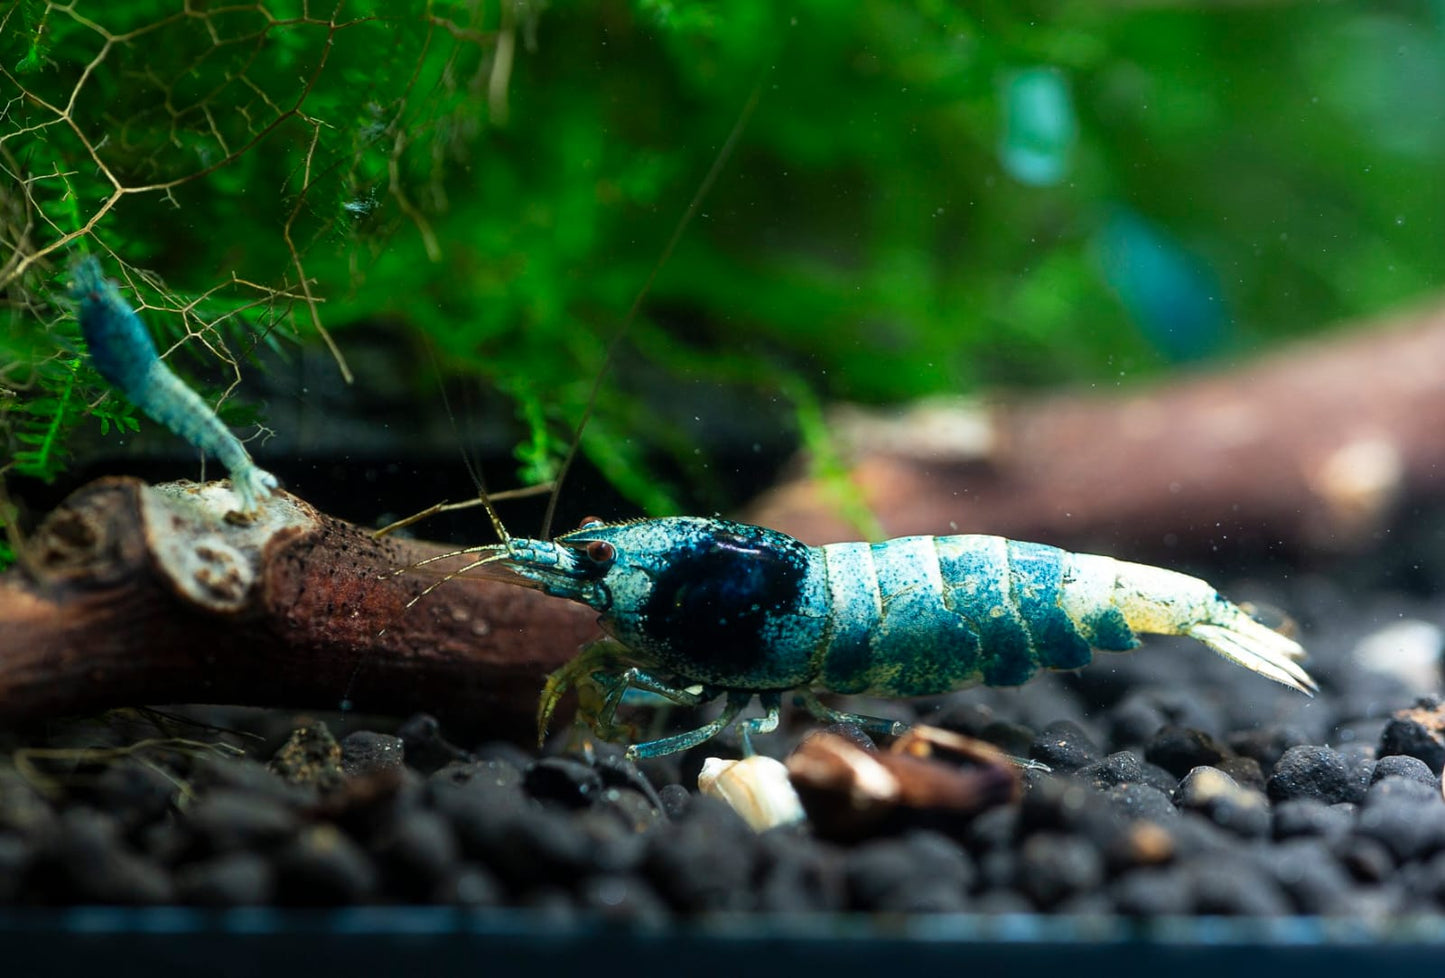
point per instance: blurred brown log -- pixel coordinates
(1309, 448)
(133, 594)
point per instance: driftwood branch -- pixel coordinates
(1310, 448)
(134, 594)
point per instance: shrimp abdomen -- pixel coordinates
(923, 615)
(919, 616)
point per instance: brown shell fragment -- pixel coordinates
(848, 791)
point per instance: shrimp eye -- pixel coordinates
(600, 551)
(590, 521)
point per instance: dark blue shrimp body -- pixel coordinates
(125, 355)
(744, 607)
(702, 607)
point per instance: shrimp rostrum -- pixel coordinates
(703, 608)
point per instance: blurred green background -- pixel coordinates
(928, 197)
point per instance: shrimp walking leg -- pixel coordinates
(685, 741)
(874, 725)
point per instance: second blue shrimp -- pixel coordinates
(125, 355)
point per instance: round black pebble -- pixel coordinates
(423, 745)
(1309, 818)
(705, 860)
(135, 793)
(1404, 766)
(1402, 736)
(922, 873)
(1234, 887)
(92, 864)
(567, 782)
(675, 800)
(232, 880)
(420, 852)
(365, 753)
(323, 866)
(1141, 801)
(1053, 868)
(15, 858)
(1125, 767)
(470, 886)
(799, 875)
(1063, 746)
(1314, 882)
(228, 819)
(1409, 827)
(1179, 750)
(1218, 797)
(1153, 892)
(1311, 772)
(628, 899)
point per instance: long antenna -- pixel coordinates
(474, 468)
(692, 208)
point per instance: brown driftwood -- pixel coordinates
(133, 594)
(1309, 448)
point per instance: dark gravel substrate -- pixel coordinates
(1181, 785)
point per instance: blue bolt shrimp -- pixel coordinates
(125, 355)
(696, 609)
(700, 608)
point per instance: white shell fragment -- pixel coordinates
(756, 787)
